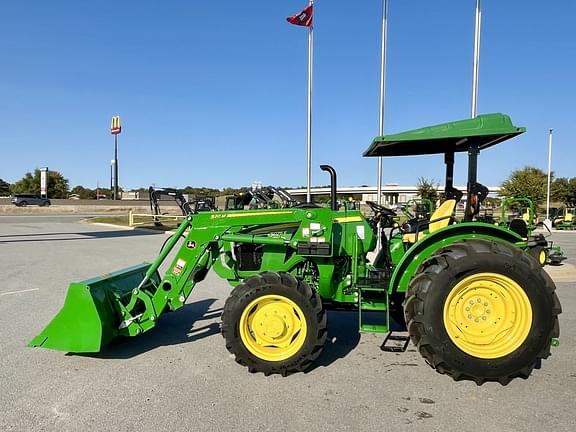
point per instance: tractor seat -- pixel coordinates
(439, 219)
(519, 226)
(569, 217)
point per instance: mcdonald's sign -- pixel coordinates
(115, 127)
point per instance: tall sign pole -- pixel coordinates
(383, 49)
(476, 60)
(112, 177)
(44, 182)
(548, 222)
(115, 129)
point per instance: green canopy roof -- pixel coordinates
(484, 131)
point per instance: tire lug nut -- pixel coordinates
(477, 320)
(483, 318)
(469, 316)
(467, 308)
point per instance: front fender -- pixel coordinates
(423, 249)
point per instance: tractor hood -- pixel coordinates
(483, 131)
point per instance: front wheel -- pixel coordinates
(540, 254)
(483, 311)
(274, 323)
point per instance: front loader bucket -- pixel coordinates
(92, 313)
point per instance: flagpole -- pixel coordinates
(309, 136)
(383, 49)
(476, 61)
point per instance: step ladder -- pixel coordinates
(372, 302)
(373, 299)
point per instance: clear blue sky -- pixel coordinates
(213, 93)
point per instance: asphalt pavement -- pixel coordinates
(180, 377)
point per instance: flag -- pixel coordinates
(303, 18)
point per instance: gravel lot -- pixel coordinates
(179, 376)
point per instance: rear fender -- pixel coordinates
(423, 249)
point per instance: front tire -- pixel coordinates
(483, 311)
(274, 323)
(540, 254)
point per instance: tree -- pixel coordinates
(4, 188)
(83, 193)
(564, 190)
(201, 191)
(427, 189)
(233, 191)
(528, 182)
(30, 184)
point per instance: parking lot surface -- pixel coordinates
(180, 377)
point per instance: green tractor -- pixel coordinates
(475, 305)
(523, 221)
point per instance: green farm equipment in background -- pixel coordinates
(475, 305)
(260, 198)
(418, 208)
(524, 221)
(566, 220)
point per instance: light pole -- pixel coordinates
(115, 129)
(548, 222)
(383, 49)
(473, 151)
(476, 60)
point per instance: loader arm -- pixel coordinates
(129, 302)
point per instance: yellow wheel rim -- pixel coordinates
(542, 257)
(273, 328)
(487, 315)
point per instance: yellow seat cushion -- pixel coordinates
(440, 219)
(411, 237)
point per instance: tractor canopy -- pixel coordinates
(480, 132)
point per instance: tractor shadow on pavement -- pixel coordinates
(182, 326)
(343, 336)
(67, 236)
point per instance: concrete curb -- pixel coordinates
(124, 227)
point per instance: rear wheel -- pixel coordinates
(482, 311)
(274, 323)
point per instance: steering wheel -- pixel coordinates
(381, 214)
(380, 210)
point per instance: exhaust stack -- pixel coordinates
(332, 171)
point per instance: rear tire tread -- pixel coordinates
(442, 261)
